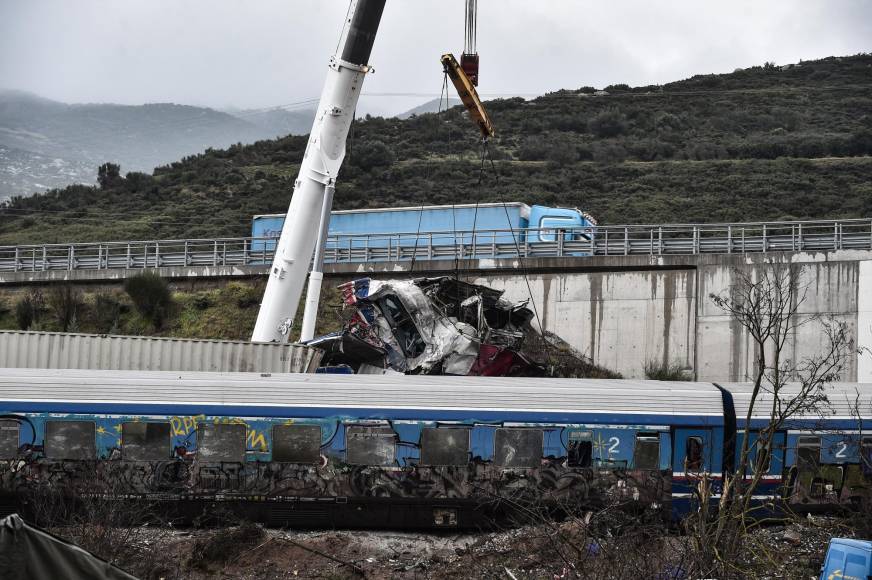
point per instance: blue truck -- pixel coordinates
(438, 225)
(848, 560)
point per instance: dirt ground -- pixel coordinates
(249, 552)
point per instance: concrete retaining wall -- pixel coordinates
(626, 311)
(660, 314)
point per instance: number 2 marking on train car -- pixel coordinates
(840, 454)
(614, 444)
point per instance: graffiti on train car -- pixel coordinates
(279, 458)
(201, 456)
(270, 481)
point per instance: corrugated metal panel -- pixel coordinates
(366, 391)
(843, 400)
(54, 350)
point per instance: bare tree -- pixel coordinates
(65, 303)
(766, 305)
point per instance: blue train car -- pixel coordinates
(403, 451)
(398, 451)
(402, 227)
(817, 460)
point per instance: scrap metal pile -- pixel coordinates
(430, 326)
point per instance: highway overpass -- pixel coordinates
(627, 296)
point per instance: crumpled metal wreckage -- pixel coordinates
(429, 326)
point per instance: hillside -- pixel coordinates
(762, 143)
(432, 106)
(40, 135)
(277, 121)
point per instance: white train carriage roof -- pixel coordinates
(845, 401)
(103, 389)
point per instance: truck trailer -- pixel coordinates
(437, 225)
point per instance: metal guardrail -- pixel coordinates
(631, 240)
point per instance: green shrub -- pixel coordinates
(609, 123)
(202, 301)
(661, 371)
(24, 315)
(371, 154)
(28, 309)
(151, 296)
(107, 313)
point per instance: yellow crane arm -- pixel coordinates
(468, 95)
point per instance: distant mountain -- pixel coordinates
(278, 122)
(47, 144)
(433, 106)
(765, 143)
(140, 138)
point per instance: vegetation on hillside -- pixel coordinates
(149, 307)
(764, 143)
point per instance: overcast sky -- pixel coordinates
(261, 53)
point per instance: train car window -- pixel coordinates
(866, 455)
(646, 453)
(145, 441)
(518, 448)
(445, 446)
(296, 443)
(580, 450)
(808, 453)
(8, 439)
(223, 442)
(762, 448)
(75, 440)
(366, 445)
(693, 454)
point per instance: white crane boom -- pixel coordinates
(318, 171)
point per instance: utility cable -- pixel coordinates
(428, 176)
(486, 152)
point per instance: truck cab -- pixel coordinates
(547, 223)
(848, 560)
